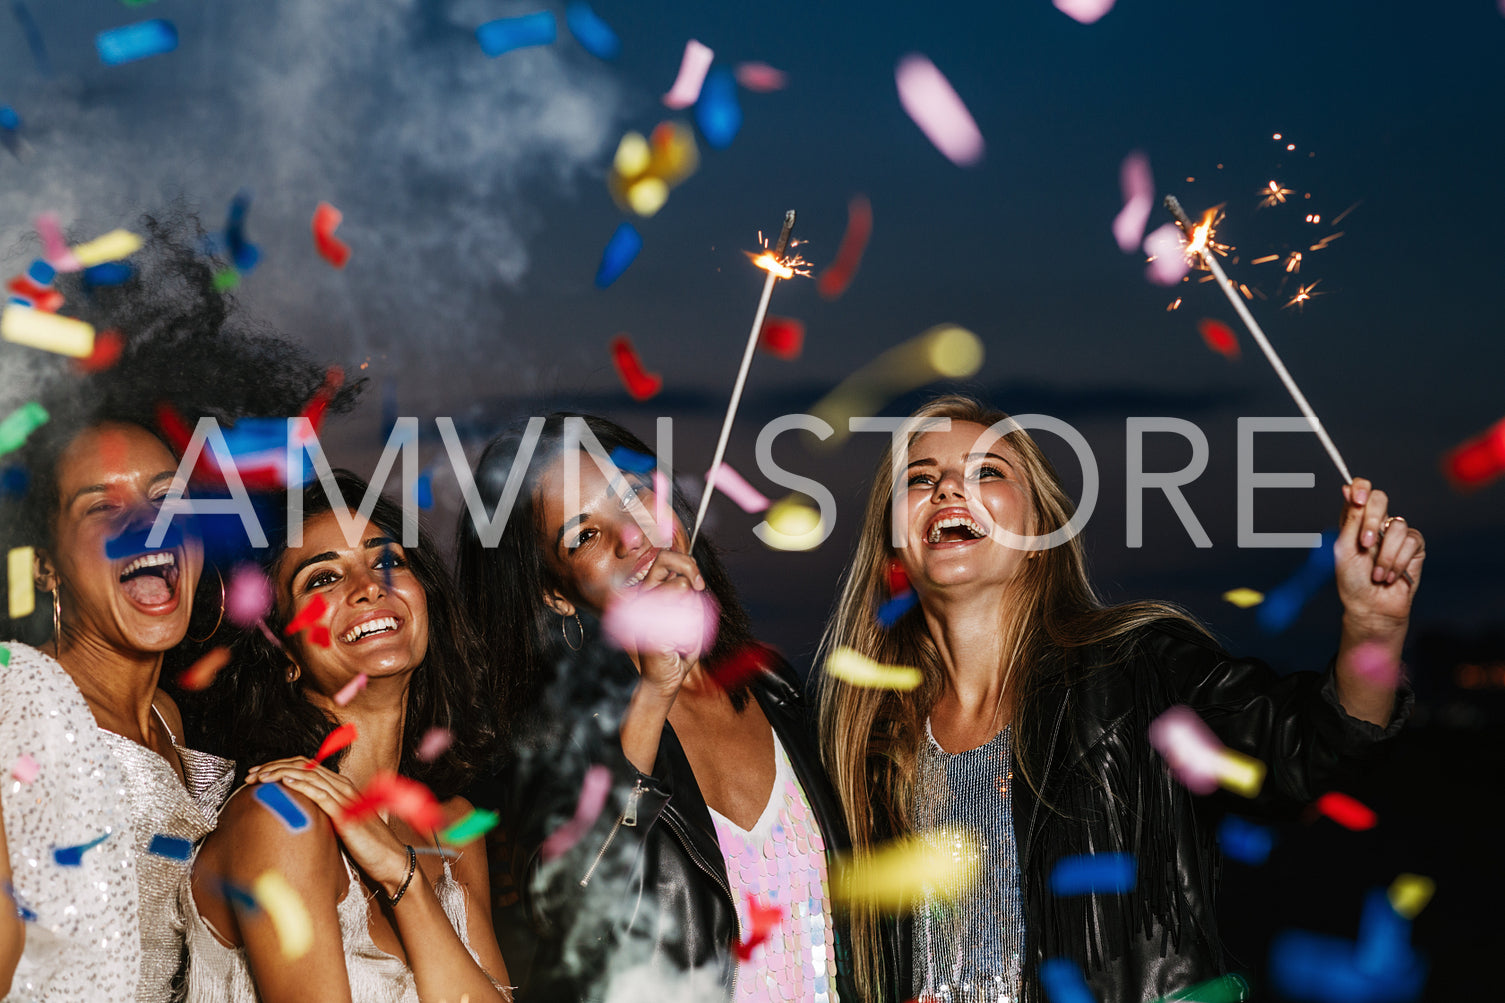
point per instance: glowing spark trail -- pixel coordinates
(1273, 194)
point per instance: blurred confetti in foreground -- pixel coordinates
(1347, 811)
(1410, 893)
(644, 171)
(762, 920)
(857, 669)
(1084, 11)
(594, 35)
(692, 71)
(1479, 460)
(761, 77)
(1245, 841)
(131, 42)
(928, 99)
(433, 744)
(1379, 967)
(1093, 874)
(1138, 188)
(23, 325)
(620, 251)
(1198, 760)
(718, 113)
(1219, 337)
(894, 876)
(640, 384)
(791, 524)
(289, 916)
(1061, 978)
(840, 273)
(333, 250)
(508, 33)
(593, 790)
(1284, 602)
(200, 675)
(17, 426)
(1243, 598)
(782, 337)
(342, 737)
(19, 567)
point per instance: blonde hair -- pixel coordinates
(870, 738)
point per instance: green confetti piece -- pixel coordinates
(19, 425)
(4, 655)
(1231, 988)
(477, 823)
(228, 278)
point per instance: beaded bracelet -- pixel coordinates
(412, 869)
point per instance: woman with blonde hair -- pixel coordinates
(1029, 728)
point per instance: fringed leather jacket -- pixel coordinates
(1100, 788)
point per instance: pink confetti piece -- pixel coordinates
(1169, 264)
(928, 98)
(349, 690)
(593, 791)
(1138, 187)
(1198, 760)
(433, 744)
(1374, 663)
(25, 769)
(1084, 11)
(54, 245)
(735, 487)
(763, 78)
(663, 511)
(248, 596)
(692, 71)
(662, 620)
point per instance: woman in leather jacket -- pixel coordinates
(671, 823)
(1030, 726)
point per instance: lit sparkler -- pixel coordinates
(779, 265)
(1273, 194)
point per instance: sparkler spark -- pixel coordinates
(1293, 263)
(1203, 238)
(1303, 296)
(1273, 194)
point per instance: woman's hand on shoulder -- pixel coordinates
(1378, 557)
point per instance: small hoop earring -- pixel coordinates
(57, 620)
(564, 622)
(294, 672)
(221, 618)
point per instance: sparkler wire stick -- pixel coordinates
(1200, 246)
(747, 357)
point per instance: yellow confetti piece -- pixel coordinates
(633, 155)
(288, 914)
(1410, 893)
(47, 331)
(18, 569)
(1243, 598)
(647, 196)
(859, 670)
(1241, 774)
(953, 352)
(944, 863)
(112, 246)
(792, 525)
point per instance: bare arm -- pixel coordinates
(12, 928)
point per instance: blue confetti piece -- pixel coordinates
(133, 542)
(26, 913)
(20, 301)
(9, 120)
(425, 491)
(1245, 841)
(243, 253)
(110, 273)
(1324, 969)
(632, 461)
(621, 250)
(171, 847)
(41, 272)
(1283, 604)
(136, 41)
(238, 896)
(73, 856)
(1384, 935)
(1063, 982)
(594, 35)
(276, 800)
(14, 481)
(1089, 873)
(34, 40)
(890, 612)
(508, 33)
(717, 113)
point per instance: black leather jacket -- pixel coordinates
(642, 899)
(1105, 790)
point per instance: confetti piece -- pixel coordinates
(4, 655)
(1138, 188)
(1284, 602)
(1063, 982)
(131, 542)
(898, 578)
(111, 247)
(10, 121)
(640, 385)
(17, 426)
(663, 508)
(243, 253)
(171, 847)
(762, 920)
(508, 33)
(738, 667)
(24, 769)
(929, 100)
(238, 896)
(1084, 11)
(692, 70)
(1410, 893)
(1348, 812)
(735, 487)
(274, 798)
(661, 620)
(633, 155)
(1245, 841)
(632, 461)
(433, 744)
(341, 738)
(594, 35)
(1219, 337)
(38, 296)
(859, 670)
(349, 690)
(1093, 874)
(1477, 461)
(27, 915)
(647, 196)
(330, 248)
(136, 41)
(73, 856)
(47, 331)
(1324, 969)
(1198, 760)
(943, 863)
(54, 244)
(248, 595)
(840, 273)
(289, 916)
(307, 616)
(1230, 988)
(621, 250)
(1168, 265)
(111, 273)
(18, 568)
(791, 525)
(593, 791)
(892, 610)
(1243, 598)
(226, 279)
(473, 826)
(782, 337)
(1374, 662)
(761, 77)
(1384, 935)
(107, 348)
(408, 799)
(200, 675)
(14, 482)
(718, 113)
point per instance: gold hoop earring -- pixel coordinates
(57, 620)
(221, 618)
(564, 632)
(294, 672)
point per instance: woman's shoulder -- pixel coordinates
(263, 826)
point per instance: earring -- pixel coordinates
(57, 620)
(294, 672)
(221, 618)
(564, 622)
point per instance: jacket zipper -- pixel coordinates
(713, 875)
(629, 818)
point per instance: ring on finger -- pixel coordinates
(1385, 526)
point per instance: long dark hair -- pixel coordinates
(262, 716)
(504, 586)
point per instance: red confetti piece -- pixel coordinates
(349, 690)
(319, 403)
(1346, 811)
(762, 920)
(738, 667)
(330, 247)
(1219, 337)
(782, 337)
(340, 738)
(898, 579)
(107, 348)
(200, 675)
(640, 384)
(840, 273)
(1479, 460)
(173, 426)
(42, 298)
(593, 791)
(307, 616)
(409, 800)
(320, 635)
(761, 77)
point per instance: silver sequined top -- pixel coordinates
(970, 950)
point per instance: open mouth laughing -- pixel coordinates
(954, 526)
(374, 627)
(151, 580)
